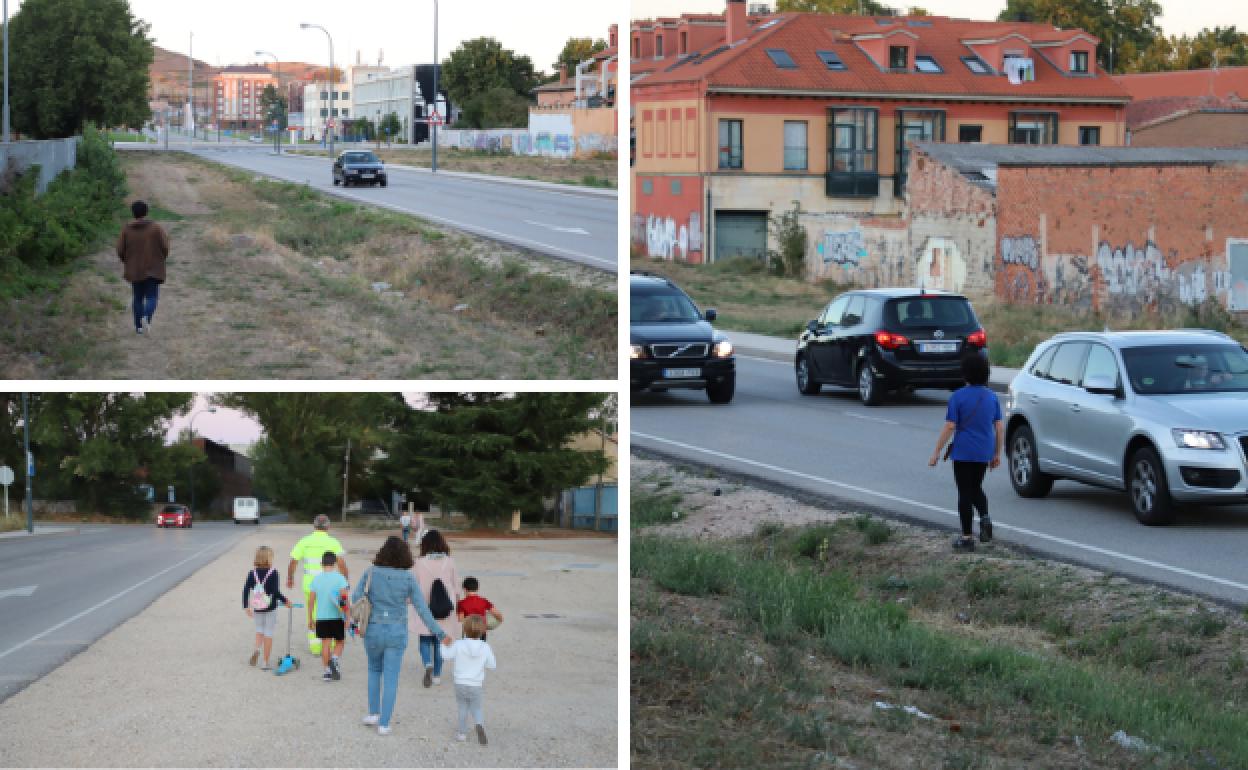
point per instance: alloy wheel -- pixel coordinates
(1020, 461)
(1144, 486)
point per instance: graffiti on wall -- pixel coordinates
(666, 239)
(1020, 250)
(545, 143)
(941, 265)
(842, 247)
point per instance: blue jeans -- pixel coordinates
(146, 293)
(385, 644)
(431, 649)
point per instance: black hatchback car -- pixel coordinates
(879, 340)
(674, 345)
(359, 167)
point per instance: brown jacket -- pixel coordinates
(143, 248)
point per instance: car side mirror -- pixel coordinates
(710, 314)
(812, 327)
(1102, 385)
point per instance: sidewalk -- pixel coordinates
(781, 349)
(171, 687)
(40, 530)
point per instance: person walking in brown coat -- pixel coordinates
(143, 247)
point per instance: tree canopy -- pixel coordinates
(482, 64)
(274, 106)
(1125, 27)
(74, 61)
(495, 108)
(869, 7)
(577, 50)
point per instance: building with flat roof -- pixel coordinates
(238, 91)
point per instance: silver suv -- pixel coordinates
(1161, 415)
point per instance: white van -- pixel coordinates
(246, 509)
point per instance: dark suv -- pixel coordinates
(883, 339)
(674, 345)
(359, 167)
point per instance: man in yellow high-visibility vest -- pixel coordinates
(309, 550)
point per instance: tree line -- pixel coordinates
(484, 454)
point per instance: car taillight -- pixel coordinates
(890, 341)
(977, 338)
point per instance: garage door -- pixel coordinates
(740, 233)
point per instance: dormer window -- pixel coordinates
(926, 64)
(684, 42)
(658, 46)
(898, 57)
(636, 48)
(1079, 61)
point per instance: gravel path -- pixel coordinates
(171, 687)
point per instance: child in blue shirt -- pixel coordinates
(331, 610)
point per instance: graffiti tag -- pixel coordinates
(1020, 250)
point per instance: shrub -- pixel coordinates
(790, 258)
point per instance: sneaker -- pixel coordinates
(333, 669)
(437, 680)
(481, 734)
(147, 324)
(371, 719)
(461, 737)
(327, 676)
(138, 330)
(428, 677)
(266, 667)
(985, 529)
(255, 655)
(383, 730)
(963, 544)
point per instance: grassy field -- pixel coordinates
(599, 171)
(750, 299)
(802, 646)
(273, 280)
(124, 136)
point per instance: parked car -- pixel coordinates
(674, 344)
(174, 516)
(879, 340)
(1162, 416)
(359, 167)
(246, 509)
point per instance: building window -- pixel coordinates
(675, 187)
(1033, 128)
(1079, 61)
(684, 42)
(636, 48)
(970, 133)
(658, 46)
(852, 166)
(976, 65)
(830, 60)
(927, 64)
(781, 58)
(324, 96)
(898, 57)
(731, 153)
(647, 187)
(324, 112)
(1089, 134)
(915, 126)
(794, 145)
(344, 113)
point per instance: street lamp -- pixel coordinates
(30, 461)
(6, 71)
(332, 94)
(436, 67)
(277, 145)
(191, 469)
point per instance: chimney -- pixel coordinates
(737, 26)
(614, 36)
(563, 74)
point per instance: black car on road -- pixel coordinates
(674, 344)
(877, 340)
(359, 167)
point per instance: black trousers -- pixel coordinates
(970, 480)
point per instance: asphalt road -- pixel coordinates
(87, 584)
(565, 224)
(831, 445)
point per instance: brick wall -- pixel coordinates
(952, 230)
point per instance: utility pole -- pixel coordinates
(7, 138)
(436, 68)
(346, 471)
(30, 465)
(190, 93)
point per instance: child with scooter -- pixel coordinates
(331, 612)
(261, 593)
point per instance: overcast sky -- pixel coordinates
(231, 31)
(1179, 17)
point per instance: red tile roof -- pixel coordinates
(1150, 111)
(1224, 82)
(747, 66)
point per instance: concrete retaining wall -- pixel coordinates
(51, 155)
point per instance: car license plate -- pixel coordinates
(938, 347)
(677, 374)
(366, 176)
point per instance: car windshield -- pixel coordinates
(669, 306)
(923, 312)
(360, 157)
(171, 509)
(1171, 369)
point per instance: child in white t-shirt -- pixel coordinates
(472, 656)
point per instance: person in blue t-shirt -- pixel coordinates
(973, 420)
(331, 612)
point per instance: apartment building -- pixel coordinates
(238, 90)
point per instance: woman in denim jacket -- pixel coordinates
(390, 587)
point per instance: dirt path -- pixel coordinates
(172, 688)
(240, 303)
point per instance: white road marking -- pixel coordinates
(763, 360)
(937, 509)
(110, 599)
(24, 591)
(557, 228)
(861, 416)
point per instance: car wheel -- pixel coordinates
(1150, 494)
(1025, 472)
(805, 382)
(868, 389)
(236, 522)
(384, 183)
(722, 392)
(337, 182)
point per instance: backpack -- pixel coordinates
(440, 604)
(363, 609)
(259, 599)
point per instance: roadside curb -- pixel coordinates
(48, 532)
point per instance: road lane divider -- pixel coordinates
(997, 525)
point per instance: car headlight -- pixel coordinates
(722, 349)
(637, 351)
(1198, 439)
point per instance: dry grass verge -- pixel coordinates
(273, 280)
(765, 632)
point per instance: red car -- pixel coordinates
(174, 516)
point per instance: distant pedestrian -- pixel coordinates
(328, 610)
(261, 593)
(475, 604)
(973, 421)
(390, 588)
(472, 656)
(435, 564)
(143, 247)
(405, 521)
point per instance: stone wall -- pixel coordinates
(51, 155)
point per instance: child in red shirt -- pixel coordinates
(472, 604)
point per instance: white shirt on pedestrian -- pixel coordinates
(472, 657)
